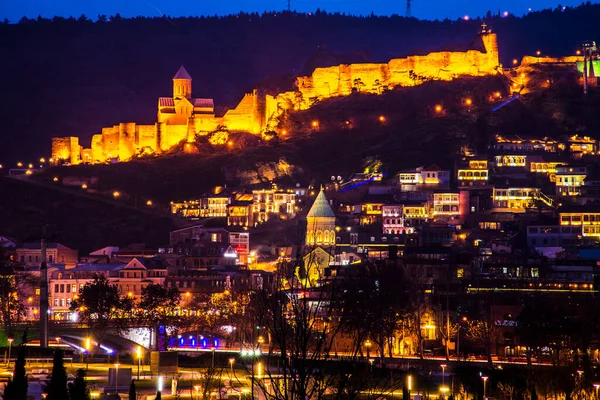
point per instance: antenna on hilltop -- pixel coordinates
(289, 6)
(408, 12)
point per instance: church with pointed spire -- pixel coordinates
(320, 223)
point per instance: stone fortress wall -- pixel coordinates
(181, 117)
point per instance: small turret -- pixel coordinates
(182, 84)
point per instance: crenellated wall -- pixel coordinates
(181, 117)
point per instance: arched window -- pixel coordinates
(326, 237)
(319, 237)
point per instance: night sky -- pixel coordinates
(431, 9)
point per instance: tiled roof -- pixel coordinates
(204, 103)
(166, 102)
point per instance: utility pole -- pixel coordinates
(408, 12)
(43, 294)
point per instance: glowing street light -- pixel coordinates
(485, 378)
(466, 18)
(468, 102)
(409, 384)
(381, 118)
(55, 179)
(159, 385)
(149, 203)
(538, 53)
(30, 166)
(117, 378)
(84, 186)
(139, 357)
(10, 341)
(368, 346)
(116, 194)
(88, 346)
(231, 362)
(515, 61)
(19, 164)
(578, 52)
(42, 160)
(443, 373)
(596, 386)
(438, 108)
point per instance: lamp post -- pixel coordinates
(117, 377)
(485, 378)
(368, 346)
(197, 389)
(443, 373)
(231, 361)
(596, 386)
(409, 384)
(139, 357)
(159, 386)
(88, 346)
(10, 340)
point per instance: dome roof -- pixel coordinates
(321, 207)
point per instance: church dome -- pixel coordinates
(321, 207)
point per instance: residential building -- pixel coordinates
(273, 203)
(423, 178)
(446, 205)
(56, 253)
(473, 172)
(569, 180)
(587, 217)
(514, 199)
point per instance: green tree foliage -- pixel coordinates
(78, 389)
(16, 388)
(56, 388)
(100, 305)
(158, 305)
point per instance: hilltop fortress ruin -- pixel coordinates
(181, 117)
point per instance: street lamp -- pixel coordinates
(159, 385)
(58, 341)
(231, 361)
(88, 346)
(10, 340)
(596, 386)
(117, 378)
(139, 357)
(368, 346)
(409, 384)
(197, 389)
(485, 378)
(443, 373)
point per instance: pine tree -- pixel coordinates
(132, 391)
(57, 387)
(158, 396)
(16, 388)
(78, 389)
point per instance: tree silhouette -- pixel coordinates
(56, 388)
(78, 389)
(16, 388)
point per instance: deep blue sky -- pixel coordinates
(430, 9)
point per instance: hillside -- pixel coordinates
(72, 77)
(350, 132)
(25, 208)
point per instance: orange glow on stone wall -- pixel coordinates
(180, 119)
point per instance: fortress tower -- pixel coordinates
(320, 223)
(182, 84)
(490, 44)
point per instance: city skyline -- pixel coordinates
(436, 10)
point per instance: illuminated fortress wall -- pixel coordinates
(181, 117)
(410, 71)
